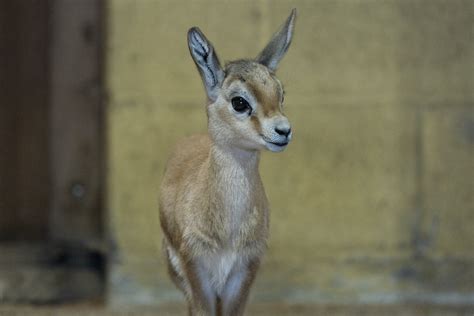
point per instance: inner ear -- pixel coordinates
(206, 61)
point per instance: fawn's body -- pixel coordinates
(226, 238)
(213, 208)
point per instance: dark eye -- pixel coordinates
(240, 104)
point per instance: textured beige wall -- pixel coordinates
(373, 201)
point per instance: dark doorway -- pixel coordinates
(51, 150)
(24, 121)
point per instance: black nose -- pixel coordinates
(283, 131)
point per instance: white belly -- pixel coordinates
(218, 267)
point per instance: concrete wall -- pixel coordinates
(372, 202)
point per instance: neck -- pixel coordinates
(224, 158)
(233, 183)
(233, 176)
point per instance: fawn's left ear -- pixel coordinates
(206, 61)
(278, 45)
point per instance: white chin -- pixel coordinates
(275, 148)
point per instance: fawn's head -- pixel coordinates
(245, 98)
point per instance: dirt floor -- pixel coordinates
(257, 310)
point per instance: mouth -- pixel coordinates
(278, 144)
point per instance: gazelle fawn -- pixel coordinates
(213, 208)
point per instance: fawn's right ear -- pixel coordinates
(206, 61)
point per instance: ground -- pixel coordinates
(257, 310)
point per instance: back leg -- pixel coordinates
(175, 271)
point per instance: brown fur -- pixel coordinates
(200, 228)
(213, 209)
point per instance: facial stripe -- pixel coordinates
(263, 85)
(256, 124)
(268, 100)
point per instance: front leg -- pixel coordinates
(236, 291)
(203, 298)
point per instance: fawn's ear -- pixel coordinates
(206, 61)
(278, 45)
